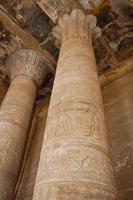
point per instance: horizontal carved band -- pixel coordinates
(91, 143)
(72, 160)
(91, 190)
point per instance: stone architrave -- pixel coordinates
(75, 162)
(28, 69)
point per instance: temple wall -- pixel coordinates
(118, 103)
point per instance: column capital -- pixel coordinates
(77, 24)
(28, 62)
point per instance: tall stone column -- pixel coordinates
(75, 160)
(26, 187)
(27, 70)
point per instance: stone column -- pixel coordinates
(26, 188)
(27, 70)
(75, 162)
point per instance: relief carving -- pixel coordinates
(68, 119)
(76, 149)
(29, 63)
(72, 160)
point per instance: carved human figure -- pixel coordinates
(28, 70)
(75, 160)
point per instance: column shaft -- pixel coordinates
(26, 188)
(27, 69)
(75, 162)
(15, 114)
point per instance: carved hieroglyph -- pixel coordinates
(75, 160)
(27, 70)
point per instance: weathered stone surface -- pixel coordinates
(113, 74)
(91, 5)
(76, 25)
(15, 115)
(56, 8)
(26, 62)
(3, 89)
(26, 188)
(75, 160)
(123, 8)
(118, 103)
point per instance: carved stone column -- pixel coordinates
(26, 188)
(75, 160)
(27, 70)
